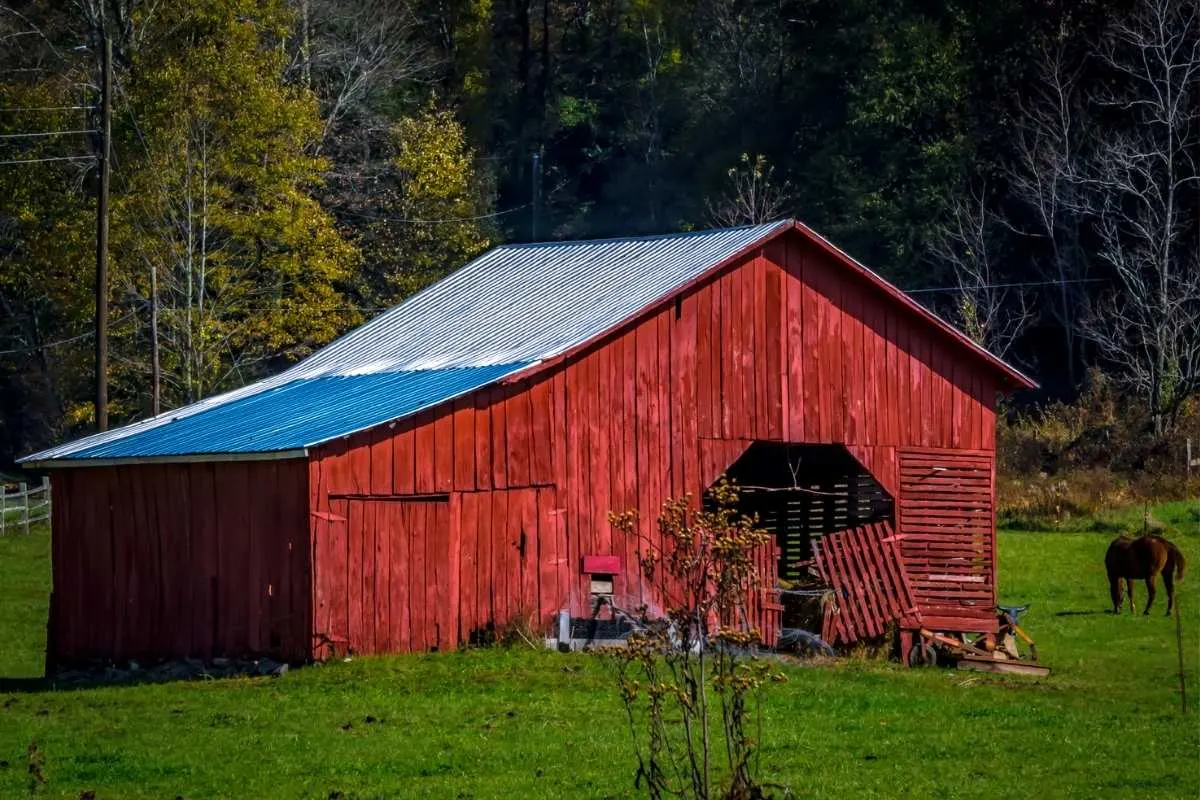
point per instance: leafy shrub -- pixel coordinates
(1065, 461)
(690, 681)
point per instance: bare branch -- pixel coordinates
(995, 316)
(752, 196)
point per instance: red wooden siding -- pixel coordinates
(180, 560)
(948, 534)
(382, 576)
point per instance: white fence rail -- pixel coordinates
(22, 505)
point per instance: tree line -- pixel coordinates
(284, 169)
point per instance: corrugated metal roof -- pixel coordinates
(510, 308)
(301, 413)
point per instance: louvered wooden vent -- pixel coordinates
(947, 535)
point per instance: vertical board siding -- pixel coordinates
(180, 560)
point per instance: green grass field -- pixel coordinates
(522, 724)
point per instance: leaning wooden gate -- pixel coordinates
(870, 590)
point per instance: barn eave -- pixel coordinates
(187, 458)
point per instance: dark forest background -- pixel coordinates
(285, 169)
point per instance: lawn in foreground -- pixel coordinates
(518, 723)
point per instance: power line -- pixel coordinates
(42, 133)
(41, 160)
(1002, 285)
(435, 221)
(47, 108)
(58, 342)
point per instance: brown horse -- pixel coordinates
(1142, 558)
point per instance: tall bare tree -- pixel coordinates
(991, 312)
(1143, 188)
(752, 195)
(1048, 146)
(352, 54)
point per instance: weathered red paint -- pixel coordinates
(431, 531)
(175, 560)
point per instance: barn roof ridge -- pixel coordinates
(514, 309)
(649, 237)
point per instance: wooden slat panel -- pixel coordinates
(468, 533)
(499, 575)
(404, 458)
(485, 582)
(440, 540)
(499, 447)
(354, 575)
(358, 455)
(518, 418)
(541, 466)
(381, 460)
(483, 440)
(861, 564)
(946, 524)
(443, 456)
(759, 363)
(464, 444)
(774, 332)
(704, 374)
(385, 535)
(600, 446)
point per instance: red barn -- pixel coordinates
(448, 467)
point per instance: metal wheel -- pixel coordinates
(922, 655)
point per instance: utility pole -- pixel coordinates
(102, 238)
(537, 192)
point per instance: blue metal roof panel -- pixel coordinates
(300, 414)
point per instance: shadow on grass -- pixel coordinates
(166, 672)
(25, 685)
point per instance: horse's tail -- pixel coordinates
(1180, 561)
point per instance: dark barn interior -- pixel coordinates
(801, 493)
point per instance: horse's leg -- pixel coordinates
(1151, 589)
(1169, 582)
(1114, 588)
(1129, 591)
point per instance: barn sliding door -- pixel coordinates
(383, 576)
(948, 535)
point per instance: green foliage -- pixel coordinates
(436, 209)
(216, 203)
(46, 268)
(908, 116)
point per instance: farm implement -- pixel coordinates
(987, 652)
